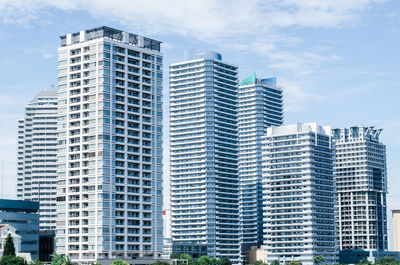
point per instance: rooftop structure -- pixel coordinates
(112, 34)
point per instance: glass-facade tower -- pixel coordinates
(260, 106)
(204, 155)
(109, 194)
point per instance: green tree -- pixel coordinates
(260, 262)
(225, 261)
(215, 261)
(11, 260)
(9, 249)
(293, 262)
(121, 262)
(161, 262)
(188, 258)
(182, 256)
(203, 260)
(60, 260)
(36, 262)
(364, 262)
(275, 262)
(387, 261)
(318, 260)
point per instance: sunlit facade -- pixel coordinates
(109, 195)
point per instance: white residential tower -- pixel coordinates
(299, 192)
(37, 156)
(109, 195)
(204, 155)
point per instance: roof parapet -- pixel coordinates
(110, 33)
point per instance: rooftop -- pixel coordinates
(357, 132)
(45, 94)
(252, 80)
(18, 206)
(110, 33)
(299, 127)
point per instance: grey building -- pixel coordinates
(37, 156)
(204, 156)
(260, 105)
(24, 217)
(362, 187)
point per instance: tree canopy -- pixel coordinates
(182, 256)
(60, 260)
(9, 249)
(318, 260)
(161, 262)
(11, 260)
(36, 262)
(260, 262)
(206, 260)
(387, 261)
(293, 262)
(275, 262)
(121, 262)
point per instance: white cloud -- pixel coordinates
(46, 52)
(301, 63)
(296, 96)
(200, 19)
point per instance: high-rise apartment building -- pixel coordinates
(204, 155)
(260, 106)
(299, 192)
(109, 194)
(361, 187)
(37, 156)
(396, 230)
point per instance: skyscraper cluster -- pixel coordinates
(91, 154)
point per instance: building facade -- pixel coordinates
(24, 217)
(299, 194)
(362, 186)
(109, 195)
(260, 106)
(5, 230)
(396, 229)
(204, 155)
(37, 156)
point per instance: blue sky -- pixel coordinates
(337, 61)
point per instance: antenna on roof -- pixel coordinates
(52, 86)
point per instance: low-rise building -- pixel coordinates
(5, 230)
(354, 256)
(24, 217)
